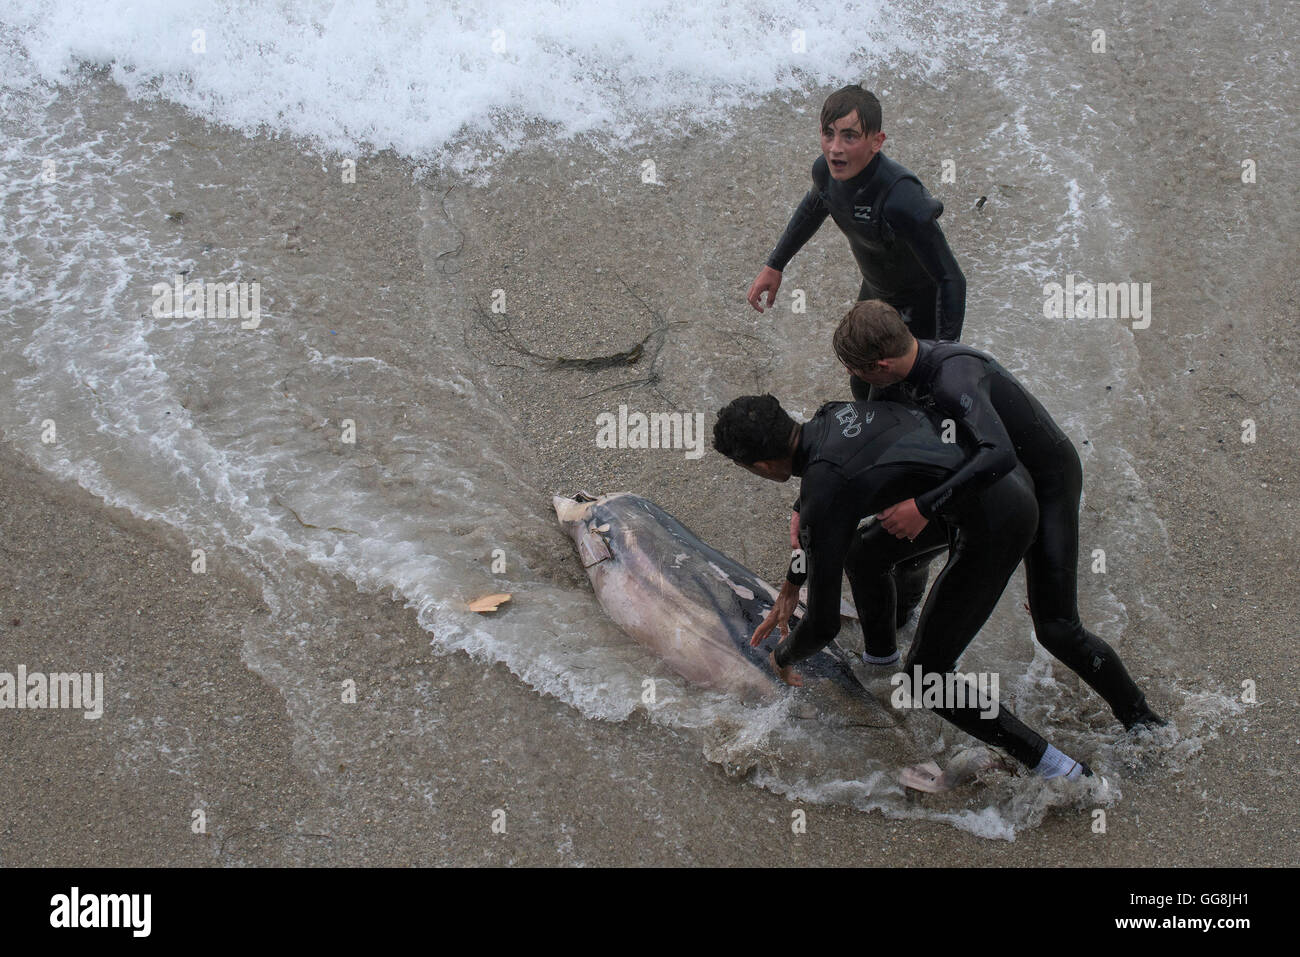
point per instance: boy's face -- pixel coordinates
(847, 149)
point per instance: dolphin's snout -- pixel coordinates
(573, 509)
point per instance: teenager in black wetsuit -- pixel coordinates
(889, 218)
(853, 458)
(891, 222)
(1000, 423)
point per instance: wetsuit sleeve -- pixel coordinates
(913, 214)
(797, 578)
(793, 577)
(825, 536)
(960, 393)
(807, 219)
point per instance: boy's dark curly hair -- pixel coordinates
(753, 428)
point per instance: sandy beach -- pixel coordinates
(211, 706)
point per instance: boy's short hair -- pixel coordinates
(849, 98)
(753, 428)
(872, 330)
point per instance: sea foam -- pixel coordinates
(459, 82)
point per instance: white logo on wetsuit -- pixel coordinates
(847, 416)
(861, 212)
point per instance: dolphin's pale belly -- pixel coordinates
(688, 603)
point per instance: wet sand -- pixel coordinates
(189, 726)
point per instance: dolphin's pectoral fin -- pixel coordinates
(592, 548)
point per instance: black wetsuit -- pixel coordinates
(854, 459)
(891, 222)
(1001, 423)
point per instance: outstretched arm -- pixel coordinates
(807, 219)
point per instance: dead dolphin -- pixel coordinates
(688, 603)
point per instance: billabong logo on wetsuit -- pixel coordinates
(966, 402)
(847, 416)
(862, 212)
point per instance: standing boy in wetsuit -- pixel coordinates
(889, 218)
(1002, 424)
(891, 223)
(853, 458)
